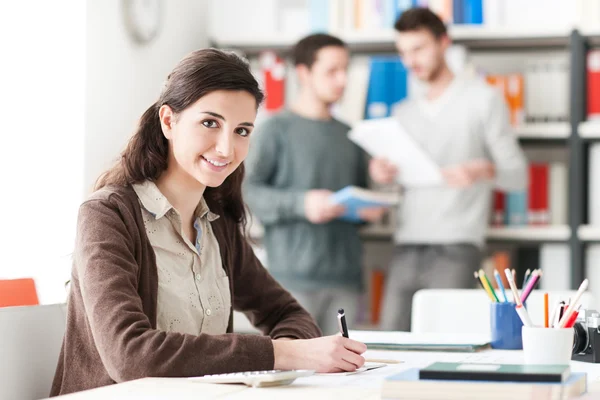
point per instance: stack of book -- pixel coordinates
(486, 381)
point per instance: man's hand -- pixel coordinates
(372, 214)
(382, 171)
(466, 174)
(318, 207)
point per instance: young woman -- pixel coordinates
(160, 260)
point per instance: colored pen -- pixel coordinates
(546, 319)
(525, 279)
(555, 315)
(476, 275)
(530, 284)
(342, 323)
(513, 286)
(571, 308)
(500, 285)
(486, 282)
(572, 319)
(524, 315)
(561, 310)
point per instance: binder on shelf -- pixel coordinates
(593, 84)
(594, 184)
(388, 86)
(558, 193)
(515, 88)
(473, 11)
(319, 16)
(499, 208)
(378, 103)
(538, 212)
(516, 203)
(273, 70)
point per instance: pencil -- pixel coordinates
(500, 285)
(546, 322)
(486, 282)
(525, 278)
(480, 280)
(382, 361)
(513, 286)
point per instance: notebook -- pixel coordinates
(407, 385)
(354, 199)
(495, 372)
(406, 341)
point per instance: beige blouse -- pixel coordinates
(193, 289)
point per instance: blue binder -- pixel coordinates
(473, 12)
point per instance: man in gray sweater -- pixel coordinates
(297, 160)
(463, 124)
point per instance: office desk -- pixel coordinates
(363, 386)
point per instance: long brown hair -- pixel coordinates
(146, 155)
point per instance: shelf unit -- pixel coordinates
(473, 36)
(589, 130)
(574, 134)
(542, 131)
(589, 233)
(551, 233)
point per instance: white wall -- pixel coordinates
(124, 78)
(42, 82)
(72, 86)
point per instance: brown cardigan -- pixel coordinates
(111, 333)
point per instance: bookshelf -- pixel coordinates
(574, 134)
(589, 233)
(541, 131)
(473, 36)
(589, 130)
(552, 233)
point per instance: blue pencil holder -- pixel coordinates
(506, 327)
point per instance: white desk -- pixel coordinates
(363, 386)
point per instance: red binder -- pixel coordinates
(593, 84)
(539, 212)
(499, 211)
(273, 69)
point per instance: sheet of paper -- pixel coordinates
(421, 338)
(367, 367)
(387, 138)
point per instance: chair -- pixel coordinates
(30, 341)
(18, 292)
(468, 310)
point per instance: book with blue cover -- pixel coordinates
(407, 385)
(354, 199)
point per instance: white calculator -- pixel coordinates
(256, 378)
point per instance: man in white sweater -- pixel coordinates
(463, 124)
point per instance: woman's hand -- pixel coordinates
(325, 354)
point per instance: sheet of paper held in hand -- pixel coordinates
(386, 138)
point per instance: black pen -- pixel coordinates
(342, 323)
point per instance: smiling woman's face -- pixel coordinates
(209, 139)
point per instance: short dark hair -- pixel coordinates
(305, 51)
(418, 18)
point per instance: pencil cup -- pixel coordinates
(547, 346)
(506, 326)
